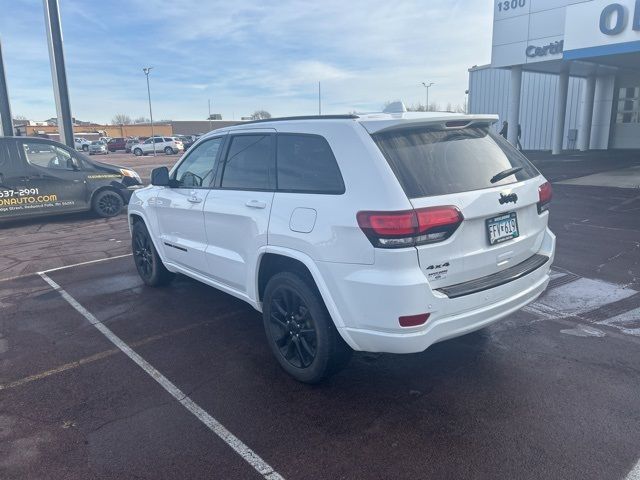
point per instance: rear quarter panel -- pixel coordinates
(369, 185)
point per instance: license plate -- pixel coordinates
(502, 228)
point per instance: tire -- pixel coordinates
(300, 330)
(148, 263)
(107, 203)
(168, 151)
(137, 152)
(85, 148)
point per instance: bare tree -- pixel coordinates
(433, 107)
(121, 119)
(20, 117)
(260, 115)
(142, 120)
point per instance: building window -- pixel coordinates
(628, 105)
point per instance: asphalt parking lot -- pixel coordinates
(102, 377)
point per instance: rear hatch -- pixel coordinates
(494, 187)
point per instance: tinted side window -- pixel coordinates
(48, 156)
(307, 164)
(250, 163)
(198, 168)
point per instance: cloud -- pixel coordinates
(246, 55)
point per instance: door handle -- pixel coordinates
(194, 199)
(255, 204)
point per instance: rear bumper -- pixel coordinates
(370, 302)
(450, 326)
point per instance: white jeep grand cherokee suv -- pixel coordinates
(382, 232)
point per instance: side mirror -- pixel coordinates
(160, 177)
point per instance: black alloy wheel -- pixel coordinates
(143, 254)
(148, 263)
(292, 327)
(108, 203)
(299, 329)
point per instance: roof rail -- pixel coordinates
(302, 117)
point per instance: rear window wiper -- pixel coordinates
(504, 174)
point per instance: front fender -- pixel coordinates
(142, 205)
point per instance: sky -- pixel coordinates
(244, 55)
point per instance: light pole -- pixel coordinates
(466, 101)
(426, 87)
(146, 71)
(319, 100)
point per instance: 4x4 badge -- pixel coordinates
(512, 197)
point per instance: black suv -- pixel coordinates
(41, 177)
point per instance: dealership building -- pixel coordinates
(566, 71)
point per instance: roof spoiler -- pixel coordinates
(448, 122)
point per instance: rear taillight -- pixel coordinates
(544, 197)
(409, 228)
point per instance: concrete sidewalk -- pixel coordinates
(622, 178)
(610, 168)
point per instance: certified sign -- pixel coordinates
(554, 48)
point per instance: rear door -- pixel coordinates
(12, 179)
(56, 176)
(461, 167)
(179, 208)
(237, 212)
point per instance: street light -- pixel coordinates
(146, 71)
(426, 105)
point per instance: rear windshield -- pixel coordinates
(429, 162)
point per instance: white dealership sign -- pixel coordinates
(602, 27)
(527, 31)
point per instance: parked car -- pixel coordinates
(117, 143)
(43, 177)
(104, 139)
(187, 141)
(130, 142)
(98, 148)
(81, 144)
(168, 145)
(382, 233)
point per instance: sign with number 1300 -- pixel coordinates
(507, 5)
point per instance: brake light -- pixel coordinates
(409, 228)
(544, 197)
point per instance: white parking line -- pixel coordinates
(89, 262)
(216, 427)
(634, 474)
